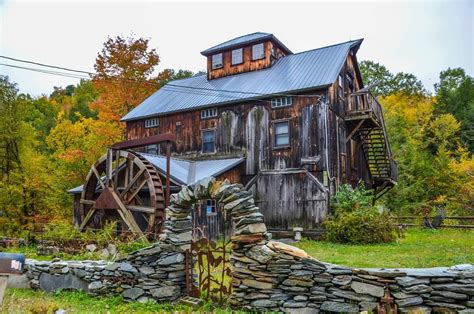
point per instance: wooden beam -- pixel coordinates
(132, 182)
(142, 209)
(142, 184)
(94, 169)
(87, 202)
(127, 216)
(87, 218)
(145, 141)
(355, 130)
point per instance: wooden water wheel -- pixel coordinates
(123, 186)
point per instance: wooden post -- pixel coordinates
(168, 166)
(108, 167)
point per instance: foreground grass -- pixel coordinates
(39, 302)
(418, 248)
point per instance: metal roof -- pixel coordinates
(186, 171)
(243, 40)
(311, 69)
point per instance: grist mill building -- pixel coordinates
(290, 126)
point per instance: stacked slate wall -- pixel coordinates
(267, 275)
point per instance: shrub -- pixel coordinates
(355, 220)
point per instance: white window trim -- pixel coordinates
(216, 65)
(281, 102)
(241, 56)
(152, 122)
(202, 136)
(263, 52)
(208, 113)
(275, 135)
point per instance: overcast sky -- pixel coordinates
(422, 37)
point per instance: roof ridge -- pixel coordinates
(324, 47)
(263, 33)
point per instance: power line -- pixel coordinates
(46, 65)
(205, 91)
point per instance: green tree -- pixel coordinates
(384, 82)
(455, 95)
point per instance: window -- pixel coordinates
(151, 123)
(341, 86)
(208, 141)
(208, 113)
(282, 133)
(217, 61)
(152, 149)
(237, 56)
(282, 102)
(211, 208)
(257, 52)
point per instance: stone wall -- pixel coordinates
(267, 275)
(156, 272)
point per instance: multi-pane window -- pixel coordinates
(208, 141)
(151, 123)
(282, 102)
(282, 133)
(217, 61)
(340, 86)
(208, 113)
(237, 57)
(211, 207)
(152, 149)
(257, 52)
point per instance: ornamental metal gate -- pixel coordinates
(208, 268)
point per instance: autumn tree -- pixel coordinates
(124, 76)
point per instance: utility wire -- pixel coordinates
(166, 86)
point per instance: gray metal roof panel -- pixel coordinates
(305, 70)
(186, 171)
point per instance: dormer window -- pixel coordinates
(151, 123)
(258, 52)
(237, 56)
(217, 61)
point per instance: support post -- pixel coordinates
(3, 287)
(108, 170)
(168, 166)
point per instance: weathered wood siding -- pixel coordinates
(248, 64)
(291, 198)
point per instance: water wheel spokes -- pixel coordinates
(126, 186)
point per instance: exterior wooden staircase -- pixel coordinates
(366, 125)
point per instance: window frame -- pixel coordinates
(152, 123)
(213, 206)
(202, 141)
(275, 123)
(241, 56)
(208, 113)
(283, 102)
(219, 66)
(263, 52)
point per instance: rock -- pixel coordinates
(249, 219)
(287, 249)
(257, 284)
(342, 280)
(401, 295)
(411, 281)
(296, 282)
(323, 278)
(172, 292)
(280, 296)
(301, 274)
(112, 248)
(366, 288)
(251, 229)
(133, 293)
(418, 289)
(95, 285)
(264, 303)
(461, 288)
(295, 304)
(127, 267)
(368, 306)
(256, 295)
(51, 283)
(445, 305)
(146, 270)
(112, 266)
(339, 307)
(104, 254)
(260, 253)
(91, 247)
(409, 301)
(300, 298)
(450, 295)
(171, 259)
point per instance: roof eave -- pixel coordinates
(212, 50)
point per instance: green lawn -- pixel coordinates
(38, 302)
(418, 248)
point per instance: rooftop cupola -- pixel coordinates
(246, 53)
